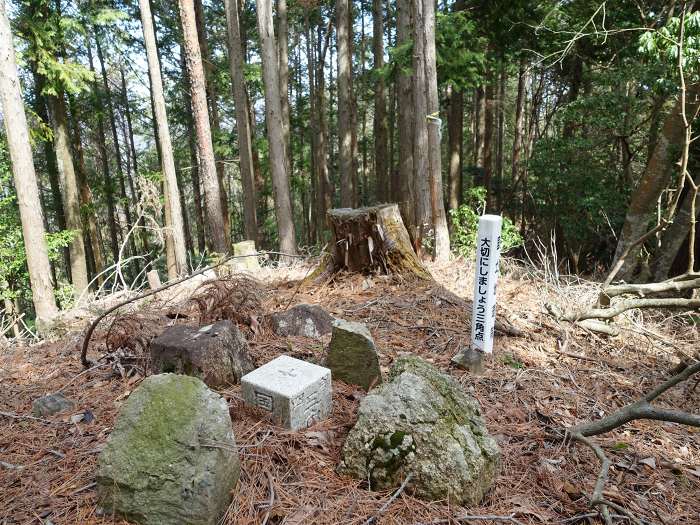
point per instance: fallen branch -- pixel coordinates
(631, 304)
(643, 290)
(641, 409)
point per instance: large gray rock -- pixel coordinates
(216, 353)
(171, 458)
(422, 424)
(352, 356)
(306, 320)
(51, 404)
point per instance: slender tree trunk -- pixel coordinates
(345, 140)
(115, 139)
(214, 121)
(69, 191)
(132, 147)
(243, 125)
(273, 111)
(500, 130)
(381, 125)
(433, 122)
(421, 155)
(455, 121)
(519, 121)
(489, 114)
(283, 57)
(86, 201)
(480, 126)
(175, 233)
(207, 164)
(106, 176)
(24, 176)
(406, 123)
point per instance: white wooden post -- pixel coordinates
(488, 254)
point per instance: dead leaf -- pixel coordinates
(649, 462)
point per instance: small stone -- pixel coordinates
(50, 405)
(352, 356)
(245, 263)
(306, 320)
(217, 353)
(470, 359)
(296, 393)
(421, 423)
(172, 457)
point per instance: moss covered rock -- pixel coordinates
(172, 457)
(352, 356)
(421, 423)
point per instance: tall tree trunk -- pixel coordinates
(86, 201)
(24, 177)
(175, 229)
(381, 125)
(40, 108)
(207, 165)
(421, 156)
(479, 126)
(656, 176)
(214, 121)
(243, 125)
(115, 139)
(69, 192)
(433, 122)
(489, 114)
(500, 131)
(345, 112)
(519, 121)
(132, 147)
(273, 112)
(106, 176)
(405, 123)
(455, 119)
(283, 57)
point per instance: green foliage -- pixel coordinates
(465, 225)
(461, 58)
(663, 45)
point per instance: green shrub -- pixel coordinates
(465, 225)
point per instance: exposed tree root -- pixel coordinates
(641, 409)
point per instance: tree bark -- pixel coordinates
(175, 233)
(243, 124)
(207, 165)
(656, 177)
(519, 121)
(373, 239)
(115, 139)
(488, 139)
(273, 112)
(106, 177)
(437, 203)
(214, 121)
(455, 129)
(345, 112)
(406, 123)
(381, 125)
(283, 58)
(69, 192)
(25, 177)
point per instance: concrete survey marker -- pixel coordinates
(297, 393)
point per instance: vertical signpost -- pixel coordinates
(488, 254)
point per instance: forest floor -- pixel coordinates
(548, 378)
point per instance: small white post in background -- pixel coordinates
(488, 255)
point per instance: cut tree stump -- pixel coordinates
(373, 239)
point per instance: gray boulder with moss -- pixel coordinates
(352, 356)
(421, 423)
(172, 457)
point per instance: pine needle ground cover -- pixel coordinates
(548, 378)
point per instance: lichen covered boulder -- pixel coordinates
(51, 404)
(217, 353)
(305, 320)
(172, 457)
(421, 423)
(352, 356)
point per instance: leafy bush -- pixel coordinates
(465, 225)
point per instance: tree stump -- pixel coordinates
(373, 239)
